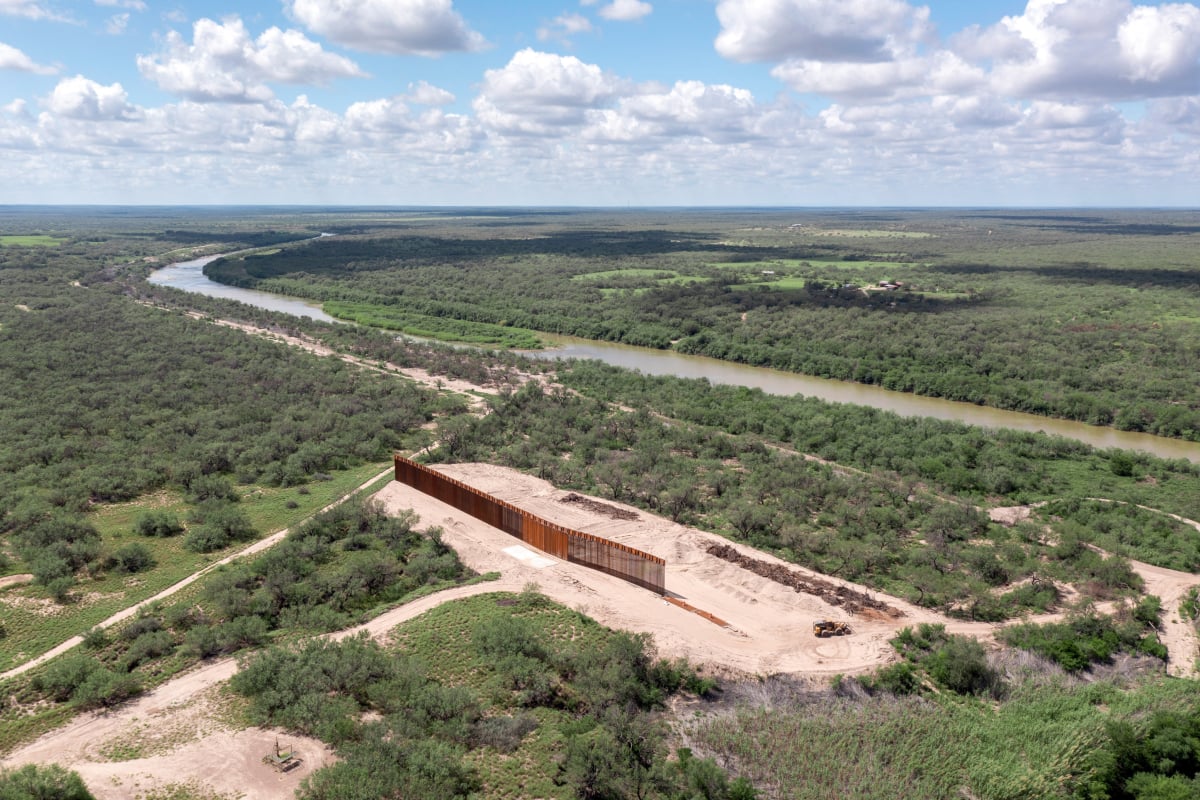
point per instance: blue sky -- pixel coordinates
(600, 102)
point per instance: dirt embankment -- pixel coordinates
(852, 600)
(768, 623)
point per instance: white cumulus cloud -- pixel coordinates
(81, 98)
(940, 73)
(404, 27)
(12, 58)
(1100, 48)
(224, 64)
(537, 92)
(426, 94)
(116, 24)
(1160, 44)
(564, 26)
(825, 30)
(134, 5)
(26, 8)
(625, 10)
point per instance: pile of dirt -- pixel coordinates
(596, 507)
(835, 594)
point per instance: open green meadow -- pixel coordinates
(34, 240)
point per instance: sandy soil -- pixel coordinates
(175, 735)
(440, 382)
(1179, 635)
(769, 625)
(15, 580)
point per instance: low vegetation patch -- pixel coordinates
(33, 240)
(476, 686)
(148, 534)
(342, 564)
(1046, 739)
(1085, 639)
(430, 327)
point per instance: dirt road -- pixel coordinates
(174, 735)
(259, 546)
(769, 625)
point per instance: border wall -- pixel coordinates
(627, 563)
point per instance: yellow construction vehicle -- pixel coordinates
(823, 628)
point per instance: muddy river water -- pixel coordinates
(189, 276)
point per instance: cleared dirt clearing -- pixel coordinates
(770, 625)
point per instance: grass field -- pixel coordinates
(869, 233)
(889, 747)
(784, 263)
(773, 284)
(632, 272)
(35, 623)
(442, 639)
(36, 240)
(442, 329)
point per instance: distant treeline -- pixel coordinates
(1097, 323)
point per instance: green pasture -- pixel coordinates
(869, 233)
(444, 329)
(34, 240)
(773, 284)
(791, 263)
(443, 638)
(641, 275)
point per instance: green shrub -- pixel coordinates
(141, 625)
(211, 487)
(147, 646)
(133, 557)
(104, 688)
(217, 525)
(95, 639)
(1189, 607)
(42, 782)
(157, 523)
(503, 734)
(899, 678)
(957, 663)
(64, 675)
(1086, 639)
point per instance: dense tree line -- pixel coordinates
(874, 527)
(1014, 466)
(105, 400)
(1105, 335)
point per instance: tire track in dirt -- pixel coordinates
(126, 613)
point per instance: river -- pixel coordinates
(189, 276)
